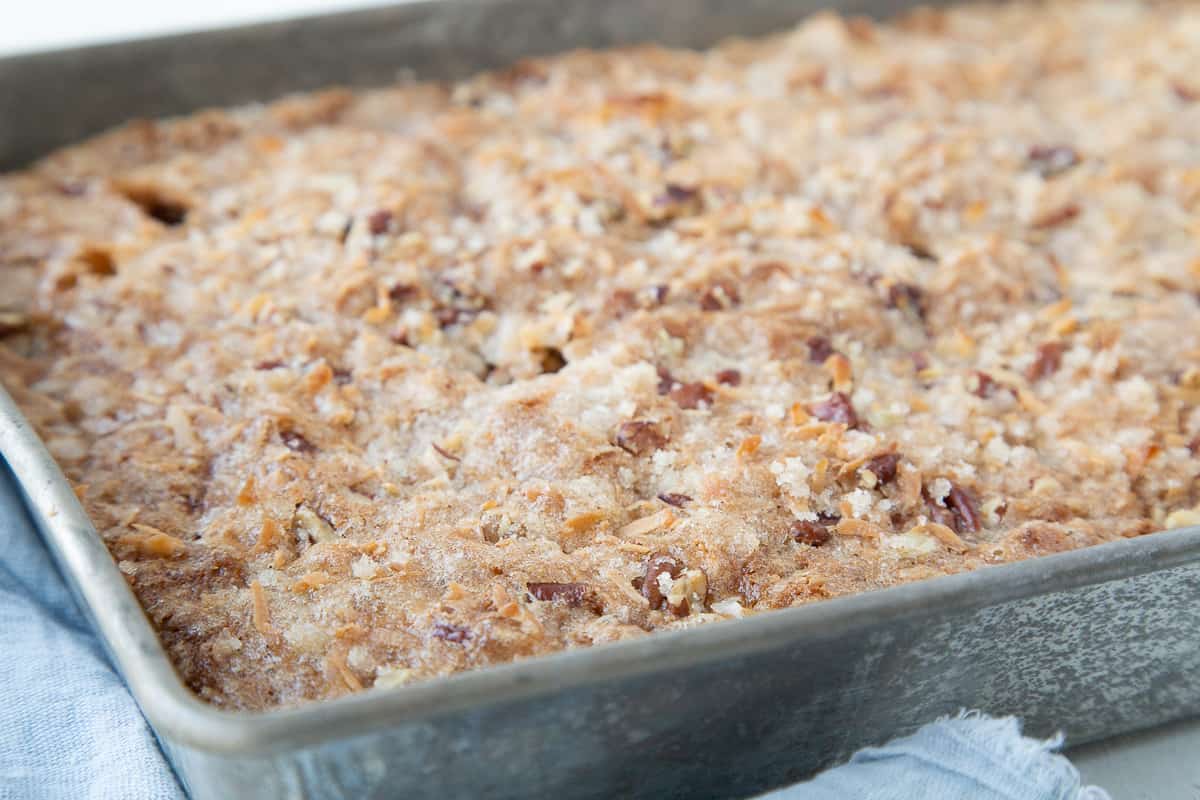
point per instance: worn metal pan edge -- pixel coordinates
(51, 99)
(178, 714)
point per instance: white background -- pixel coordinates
(27, 25)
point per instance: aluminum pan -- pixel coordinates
(1099, 640)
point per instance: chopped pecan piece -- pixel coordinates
(639, 437)
(1184, 92)
(379, 222)
(661, 564)
(729, 377)
(1051, 160)
(813, 534)
(447, 317)
(674, 499)
(666, 381)
(1058, 216)
(623, 301)
(674, 193)
(450, 633)
(1046, 361)
(295, 441)
(884, 467)
(819, 349)
(720, 296)
(959, 512)
(908, 298)
(689, 590)
(939, 513)
(981, 384)
(836, 408)
(675, 201)
(401, 292)
(963, 506)
(72, 188)
(455, 305)
(573, 594)
(692, 395)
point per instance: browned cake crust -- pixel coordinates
(365, 388)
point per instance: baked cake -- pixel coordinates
(364, 388)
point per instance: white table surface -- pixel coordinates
(1163, 764)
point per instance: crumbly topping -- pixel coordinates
(365, 388)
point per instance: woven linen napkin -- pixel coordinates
(69, 729)
(972, 757)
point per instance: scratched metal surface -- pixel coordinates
(1098, 642)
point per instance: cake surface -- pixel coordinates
(365, 388)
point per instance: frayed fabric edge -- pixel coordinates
(1016, 744)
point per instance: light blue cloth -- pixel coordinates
(972, 757)
(69, 729)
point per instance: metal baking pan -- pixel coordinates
(1098, 641)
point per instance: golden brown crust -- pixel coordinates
(365, 388)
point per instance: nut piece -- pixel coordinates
(884, 467)
(813, 534)
(907, 298)
(686, 593)
(720, 296)
(958, 514)
(981, 384)
(729, 377)
(572, 594)
(1049, 160)
(837, 408)
(639, 437)
(658, 566)
(963, 506)
(692, 395)
(819, 349)
(379, 222)
(1046, 362)
(451, 633)
(315, 527)
(296, 441)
